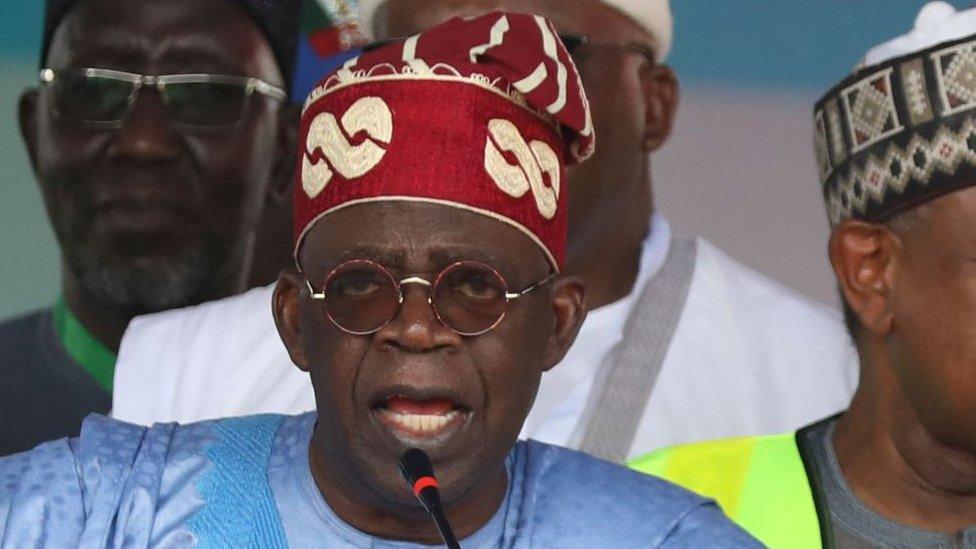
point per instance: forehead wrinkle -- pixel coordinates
(170, 39)
(449, 254)
(422, 238)
(196, 51)
(133, 50)
(386, 256)
(432, 257)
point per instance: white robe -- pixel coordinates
(749, 356)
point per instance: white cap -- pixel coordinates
(937, 22)
(653, 15)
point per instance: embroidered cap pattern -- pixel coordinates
(899, 133)
(406, 121)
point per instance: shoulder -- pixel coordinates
(765, 325)
(108, 449)
(750, 477)
(698, 464)
(550, 465)
(720, 272)
(591, 502)
(247, 364)
(16, 330)
(71, 480)
(155, 480)
(200, 321)
(37, 368)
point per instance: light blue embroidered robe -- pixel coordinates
(245, 482)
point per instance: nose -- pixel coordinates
(415, 327)
(147, 136)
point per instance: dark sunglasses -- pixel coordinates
(104, 98)
(361, 296)
(575, 42)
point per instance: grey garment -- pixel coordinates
(852, 524)
(44, 393)
(630, 370)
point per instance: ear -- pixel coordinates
(283, 170)
(862, 255)
(286, 306)
(660, 88)
(27, 116)
(569, 308)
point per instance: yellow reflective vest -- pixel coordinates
(760, 482)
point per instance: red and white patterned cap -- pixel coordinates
(481, 114)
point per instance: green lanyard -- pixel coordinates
(94, 358)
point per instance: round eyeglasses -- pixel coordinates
(360, 296)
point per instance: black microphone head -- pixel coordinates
(414, 464)
(416, 469)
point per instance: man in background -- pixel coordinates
(158, 133)
(681, 342)
(897, 468)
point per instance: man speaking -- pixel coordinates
(426, 303)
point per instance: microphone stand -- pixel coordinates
(444, 528)
(416, 469)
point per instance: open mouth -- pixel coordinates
(414, 419)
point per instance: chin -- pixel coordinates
(457, 477)
(145, 286)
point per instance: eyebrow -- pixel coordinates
(386, 257)
(447, 256)
(112, 48)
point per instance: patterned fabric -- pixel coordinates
(246, 482)
(240, 509)
(370, 132)
(899, 133)
(278, 19)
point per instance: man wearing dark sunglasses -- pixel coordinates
(158, 134)
(426, 302)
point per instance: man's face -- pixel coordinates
(150, 215)
(471, 393)
(933, 308)
(612, 80)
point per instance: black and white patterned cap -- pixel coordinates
(279, 20)
(901, 130)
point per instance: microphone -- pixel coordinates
(416, 469)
